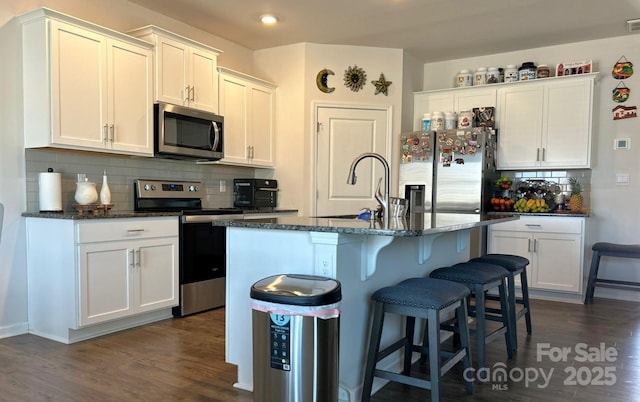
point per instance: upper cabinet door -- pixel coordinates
(131, 98)
(566, 135)
(520, 126)
(171, 71)
(78, 83)
(204, 80)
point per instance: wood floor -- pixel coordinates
(183, 360)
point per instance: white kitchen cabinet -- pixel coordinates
(94, 276)
(553, 245)
(455, 100)
(248, 106)
(85, 87)
(185, 70)
(545, 123)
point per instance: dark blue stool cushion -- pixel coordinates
(618, 250)
(471, 272)
(508, 261)
(430, 294)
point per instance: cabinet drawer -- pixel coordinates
(545, 224)
(121, 229)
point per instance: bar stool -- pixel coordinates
(516, 265)
(603, 249)
(479, 278)
(431, 299)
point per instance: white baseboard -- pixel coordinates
(13, 330)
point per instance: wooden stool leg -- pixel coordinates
(463, 326)
(524, 283)
(504, 306)
(593, 275)
(408, 344)
(511, 294)
(480, 325)
(372, 354)
(435, 364)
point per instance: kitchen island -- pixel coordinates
(362, 255)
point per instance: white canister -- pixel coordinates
(437, 121)
(465, 119)
(480, 76)
(464, 79)
(510, 73)
(493, 75)
(450, 120)
(426, 122)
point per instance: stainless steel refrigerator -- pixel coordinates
(456, 168)
(453, 170)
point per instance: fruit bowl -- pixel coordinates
(502, 204)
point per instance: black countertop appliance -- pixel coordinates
(255, 193)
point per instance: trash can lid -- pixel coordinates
(297, 290)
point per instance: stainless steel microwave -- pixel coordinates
(185, 133)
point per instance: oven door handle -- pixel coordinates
(215, 137)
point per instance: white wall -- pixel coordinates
(615, 217)
(294, 69)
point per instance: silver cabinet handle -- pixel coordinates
(138, 258)
(544, 154)
(187, 91)
(105, 134)
(134, 231)
(533, 225)
(537, 154)
(132, 258)
(529, 245)
(112, 130)
(193, 93)
(535, 245)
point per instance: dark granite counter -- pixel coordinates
(411, 226)
(109, 215)
(563, 213)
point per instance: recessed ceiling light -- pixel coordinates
(268, 19)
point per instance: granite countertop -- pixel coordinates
(565, 213)
(109, 215)
(411, 226)
(132, 214)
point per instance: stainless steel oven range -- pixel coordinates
(202, 245)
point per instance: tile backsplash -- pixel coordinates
(121, 173)
(561, 177)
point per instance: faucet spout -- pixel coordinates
(384, 200)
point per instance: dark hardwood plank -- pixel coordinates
(183, 359)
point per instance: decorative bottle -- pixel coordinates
(105, 193)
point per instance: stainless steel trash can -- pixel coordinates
(296, 336)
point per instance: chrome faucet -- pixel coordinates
(382, 199)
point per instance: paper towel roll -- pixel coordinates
(50, 192)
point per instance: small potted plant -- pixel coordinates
(503, 183)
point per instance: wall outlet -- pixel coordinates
(324, 265)
(223, 186)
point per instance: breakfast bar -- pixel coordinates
(362, 255)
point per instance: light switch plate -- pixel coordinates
(223, 186)
(622, 179)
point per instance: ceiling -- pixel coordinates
(430, 30)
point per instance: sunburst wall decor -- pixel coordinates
(354, 78)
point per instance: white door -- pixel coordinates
(343, 134)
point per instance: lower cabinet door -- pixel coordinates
(104, 282)
(157, 279)
(557, 262)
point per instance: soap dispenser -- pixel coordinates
(105, 192)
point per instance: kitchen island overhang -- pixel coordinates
(362, 255)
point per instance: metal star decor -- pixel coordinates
(382, 85)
